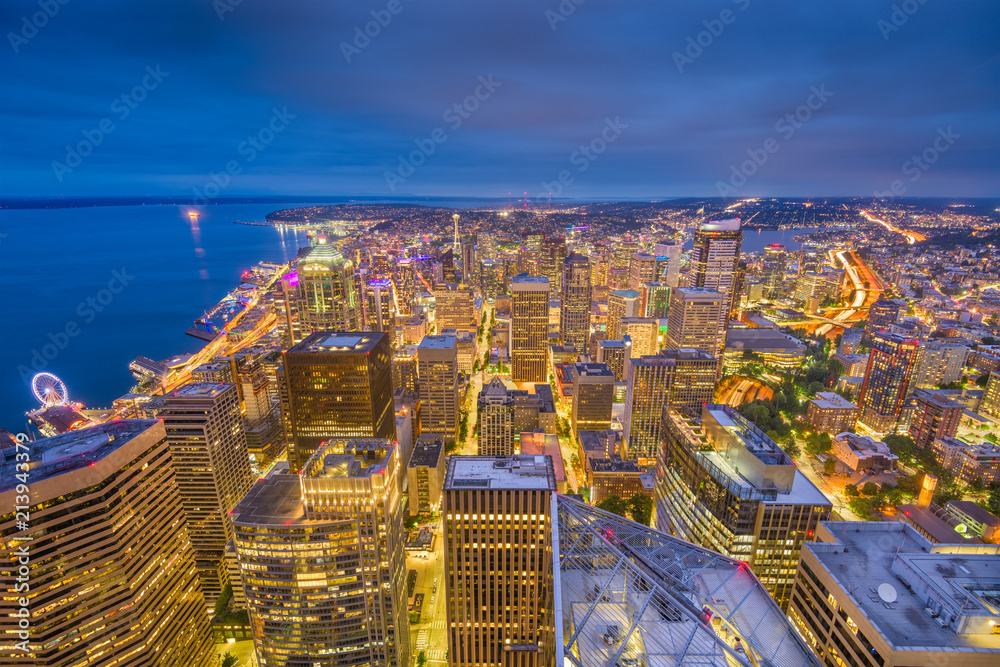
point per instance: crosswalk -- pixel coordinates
(440, 624)
(436, 654)
(422, 640)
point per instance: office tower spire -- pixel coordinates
(327, 297)
(716, 257)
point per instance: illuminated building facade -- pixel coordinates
(336, 385)
(437, 364)
(723, 484)
(322, 562)
(529, 328)
(934, 416)
(888, 383)
(574, 325)
(454, 308)
(380, 306)
(672, 378)
(716, 257)
(498, 514)
(327, 298)
(773, 270)
(593, 393)
(621, 303)
(496, 419)
(204, 429)
(111, 571)
(693, 319)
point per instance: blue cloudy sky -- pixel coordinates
(690, 88)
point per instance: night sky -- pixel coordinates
(658, 113)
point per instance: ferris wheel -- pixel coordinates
(49, 389)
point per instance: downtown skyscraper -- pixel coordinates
(205, 433)
(328, 300)
(498, 560)
(574, 325)
(336, 385)
(322, 562)
(437, 367)
(888, 383)
(111, 577)
(529, 324)
(716, 257)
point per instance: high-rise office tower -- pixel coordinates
(642, 270)
(655, 298)
(645, 334)
(529, 323)
(498, 561)
(888, 383)
(673, 378)
(437, 366)
(491, 277)
(671, 272)
(809, 261)
(406, 289)
(739, 287)
(380, 306)
(616, 354)
(104, 570)
(533, 240)
(621, 303)
(882, 313)
(288, 309)
(723, 484)
(322, 561)
(209, 448)
(454, 308)
(336, 385)
(552, 256)
(716, 257)
(448, 266)
(327, 298)
(496, 419)
(621, 254)
(934, 416)
(692, 319)
(404, 368)
(262, 412)
(773, 269)
(574, 325)
(487, 245)
(599, 266)
(470, 264)
(593, 393)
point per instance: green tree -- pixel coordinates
(422, 656)
(793, 450)
(410, 523)
(818, 443)
(641, 508)
(222, 602)
(830, 466)
(615, 505)
(869, 489)
(851, 490)
(229, 660)
(862, 507)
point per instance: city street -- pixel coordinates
(430, 635)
